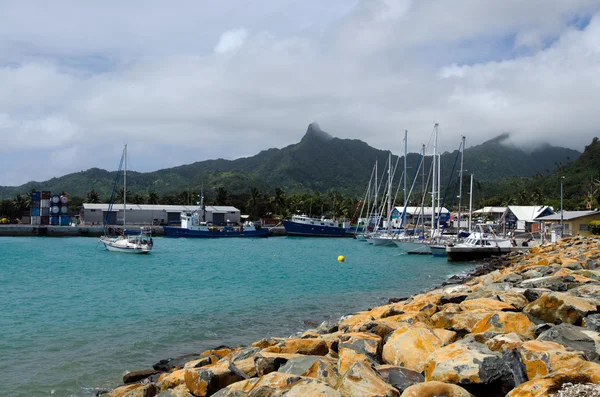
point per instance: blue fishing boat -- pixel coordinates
(192, 226)
(302, 225)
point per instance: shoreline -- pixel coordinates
(509, 323)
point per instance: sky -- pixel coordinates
(190, 80)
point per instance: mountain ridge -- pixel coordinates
(317, 162)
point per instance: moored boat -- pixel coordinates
(191, 226)
(481, 245)
(302, 225)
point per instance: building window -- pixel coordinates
(232, 212)
(93, 210)
(583, 227)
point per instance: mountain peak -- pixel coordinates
(314, 131)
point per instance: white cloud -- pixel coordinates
(174, 80)
(231, 41)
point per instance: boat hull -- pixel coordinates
(438, 250)
(465, 254)
(172, 231)
(305, 230)
(126, 250)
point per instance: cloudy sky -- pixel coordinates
(190, 80)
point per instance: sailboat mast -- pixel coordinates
(470, 202)
(376, 204)
(422, 212)
(434, 183)
(462, 155)
(405, 155)
(389, 204)
(125, 185)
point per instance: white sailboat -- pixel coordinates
(138, 243)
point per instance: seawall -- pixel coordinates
(522, 325)
(83, 231)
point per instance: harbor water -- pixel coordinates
(75, 317)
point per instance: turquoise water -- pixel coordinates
(76, 317)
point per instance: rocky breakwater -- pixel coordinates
(526, 328)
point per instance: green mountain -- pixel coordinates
(319, 162)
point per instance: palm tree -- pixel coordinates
(139, 199)
(152, 197)
(279, 200)
(222, 196)
(253, 201)
(92, 197)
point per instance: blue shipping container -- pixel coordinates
(65, 220)
(54, 220)
(35, 211)
(36, 196)
(45, 211)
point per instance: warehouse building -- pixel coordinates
(147, 214)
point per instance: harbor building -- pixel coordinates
(150, 214)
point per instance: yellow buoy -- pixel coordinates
(341, 258)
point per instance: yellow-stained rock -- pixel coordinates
(363, 342)
(362, 380)
(505, 342)
(517, 300)
(464, 362)
(324, 371)
(548, 384)
(543, 357)
(201, 362)
(450, 308)
(505, 322)
(278, 384)
(424, 303)
(463, 321)
(386, 310)
(122, 390)
(264, 343)
(147, 390)
(560, 307)
(485, 304)
(408, 347)
(171, 380)
(348, 357)
(435, 389)
(407, 318)
(311, 346)
(208, 380)
(355, 321)
(446, 336)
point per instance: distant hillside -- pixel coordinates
(318, 162)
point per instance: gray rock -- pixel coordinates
(553, 283)
(172, 393)
(170, 364)
(298, 365)
(538, 329)
(533, 294)
(513, 361)
(571, 337)
(266, 365)
(592, 321)
(399, 377)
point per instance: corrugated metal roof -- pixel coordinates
(568, 215)
(159, 207)
(527, 212)
(417, 210)
(490, 210)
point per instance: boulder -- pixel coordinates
(298, 365)
(179, 391)
(171, 364)
(485, 304)
(348, 357)
(505, 322)
(323, 371)
(355, 320)
(515, 299)
(471, 365)
(366, 343)
(548, 384)
(572, 338)
(171, 380)
(265, 363)
(136, 376)
(435, 389)
(543, 357)
(459, 322)
(362, 380)
(505, 342)
(592, 322)
(553, 283)
(408, 347)
(148, 390)
(311, 347)
(556, 307)
(208, 380)
(399, 377)
(278, 384)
